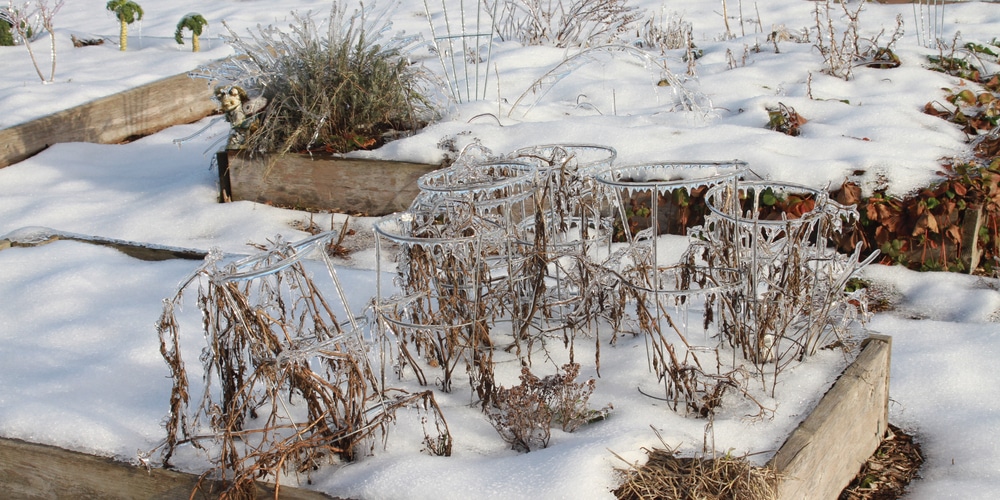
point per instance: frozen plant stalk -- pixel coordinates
(20, 18)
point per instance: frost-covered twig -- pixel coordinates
(25, 22)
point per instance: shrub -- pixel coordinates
(346, 89)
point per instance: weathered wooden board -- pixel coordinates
(37, 236)
(135, 112)
(32, 471)
(370, 187)
(826, 451)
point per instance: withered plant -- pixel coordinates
(843, 47)
(286, 386)
(664, 33)
(439, 318)
(557, 284)
(693, 377)
(523, 414)
(781, 237)
(563, 23)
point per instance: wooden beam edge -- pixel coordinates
(857, 401)
(31, 470)
(166, 102)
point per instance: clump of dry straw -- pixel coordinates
(665, 475)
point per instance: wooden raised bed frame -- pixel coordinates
(824, 453)
(29, 470)
(321, 182)
(144, 110)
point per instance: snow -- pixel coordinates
(80, 366)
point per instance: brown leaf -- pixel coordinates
(932, 110)
(882, 236)
(954, 234)
(806, 205)
(871, 210)
(926, 223)
(884, 211)
(849, 194)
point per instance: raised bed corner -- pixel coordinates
(825, 452)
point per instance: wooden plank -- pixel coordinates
(132, 113)
(972, 222)
(366, 186)
(33, 471)
(827, 449)
(37, 236)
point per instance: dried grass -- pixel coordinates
(667, 476)
(576, 23)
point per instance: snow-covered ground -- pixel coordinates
(79, 361)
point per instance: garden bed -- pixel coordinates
(137, 112)
(818, 460)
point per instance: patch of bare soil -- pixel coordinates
(888, 471)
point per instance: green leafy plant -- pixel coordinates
(970, 61)
(976, 112)
(6, 38)
(349, 88)
(677, 210)
(955, 66)
(195, 23)
(927, 231)
(990, 49)
(127, 12)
